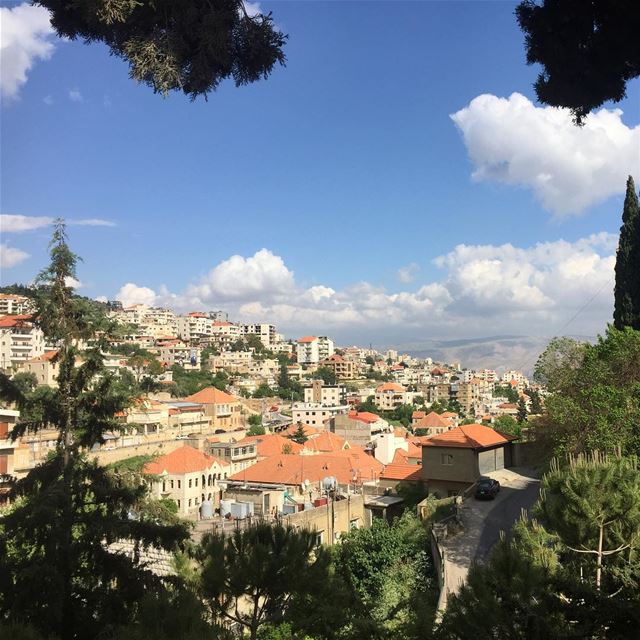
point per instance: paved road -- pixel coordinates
(484, 520)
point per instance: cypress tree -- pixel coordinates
(60, 572)
(627, 291)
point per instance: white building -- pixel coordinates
(326, 395)
(20, 340)
(312, 349)
(11, 304)
(194, 326)
(266, 333)
(315, 414)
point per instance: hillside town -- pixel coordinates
(236, 420)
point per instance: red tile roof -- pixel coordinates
(211, 395)
(469, 436)
(272, 444)
(364, 416)
(406, 472)
(185, 459)
(326, 442)
(306, 339)
(390, 386)
(432, 419)
(12, 321)
(308, 429)
(294, 470)
(45, 357)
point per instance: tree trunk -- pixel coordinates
(599, 565)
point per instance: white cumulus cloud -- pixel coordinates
(25, 37)
(483, 290)
(408, 273)
(10, 256)
(569, 168)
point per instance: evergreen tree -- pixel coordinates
(627, 290)
(299, 435)
(59, 572)
(522, 411)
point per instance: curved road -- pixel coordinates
(484, 520)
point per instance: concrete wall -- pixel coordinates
(464, 467)
(331, 521)
(525, 454)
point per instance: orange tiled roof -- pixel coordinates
(432, 419)
(45, 357)
(185, 459)
(294, 470)
(308, 429)
(469, 436)
(272, 444)
(390, 386)
(449, 414)
(326, 442)
(417, 415)
(410, 472)
(364, 416)
(306, 339)
(12, 321)
(211, 395)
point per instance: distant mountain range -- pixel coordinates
(493, 352)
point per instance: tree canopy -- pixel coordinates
(588, 50)
(189, 46)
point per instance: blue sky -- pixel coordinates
(345, 165)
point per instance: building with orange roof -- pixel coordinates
(44, 368)
(416, 416)
(187, 476)
(20, 340)
(302, 474)
(325, 442)
(395, 474)
(343, 368)
(12, 304)
(272, 444)
(309, 431)
(433, 424)
(455, 459)
(359, 427)
(224, 409)
(390, 395)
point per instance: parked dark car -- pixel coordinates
(487, 488)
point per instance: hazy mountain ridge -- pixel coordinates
(492, 352)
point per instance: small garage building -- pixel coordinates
(454, 460)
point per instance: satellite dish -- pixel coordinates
(329, 483)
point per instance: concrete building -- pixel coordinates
(44, 367)
(224, 409)
(454, 460)
(326, 395)
(266, 333)
(316, 414)
(195, 326)
(224, 334)
(312, 349)
(359, 427)
(342, 368)
(390, 395)
(13, 305)
(189, 477)
(20, 340)
(239, 455)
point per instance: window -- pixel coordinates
(172, 484)
(189, 501)
(178, 503)
(196, 482)
(164, 486)
(446, 459)
(190, 483)
(179, 484)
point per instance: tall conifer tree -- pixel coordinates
(59, 570)
(627, 290)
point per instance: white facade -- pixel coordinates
(11, 304)
(194, 326)
(312, 349)
(315, 414)
(20, 340)
(266, 333)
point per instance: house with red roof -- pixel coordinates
(224, 409)
(44, 368)
(390, 395)
(433, 424)
(359, 427)
(455, 459)
(187, 476)
(20, 340)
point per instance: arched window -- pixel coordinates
(204, 481)
(189, 501)
(164, 486)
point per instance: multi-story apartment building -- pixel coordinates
(343, 368)
(518, 376)
(232, 361)
(312, 349)
(177, 352)
(13, 305)
(224, 334)
(390, 395)
(326, 395)
(266, 333)
(20, 340)
(224, 409)
(194, 326)
(316, 414)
